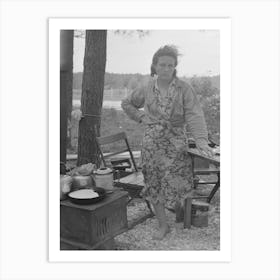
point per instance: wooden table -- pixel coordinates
(215, 161)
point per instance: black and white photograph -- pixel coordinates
(140, 139)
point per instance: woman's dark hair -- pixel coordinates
(167, 50)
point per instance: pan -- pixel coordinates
(87, 196)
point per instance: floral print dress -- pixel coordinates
(167, 166)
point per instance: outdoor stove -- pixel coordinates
(87, 227)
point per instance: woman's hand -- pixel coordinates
(203, 148)
(144, 120)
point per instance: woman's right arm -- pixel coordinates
(133, 103)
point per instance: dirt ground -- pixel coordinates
(140, 237)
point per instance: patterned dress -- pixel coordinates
(167, 166)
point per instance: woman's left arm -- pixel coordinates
(194, 117)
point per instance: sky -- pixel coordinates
(200, 51)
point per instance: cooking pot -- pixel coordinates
(82, 182)
(104, 178)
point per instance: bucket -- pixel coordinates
(104, 178)
(199, 213)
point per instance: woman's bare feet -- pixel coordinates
(162, 221)
(161, 233)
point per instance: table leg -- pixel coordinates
(214, 190)
(187, 212)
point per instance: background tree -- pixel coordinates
(92, 95)
(92, 92)
(66, 85)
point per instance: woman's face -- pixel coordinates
(165, 67)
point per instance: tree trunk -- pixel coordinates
(92, 95)
(69, 86)
(66, 78)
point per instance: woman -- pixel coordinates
(169, 105)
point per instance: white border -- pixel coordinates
(221, 24)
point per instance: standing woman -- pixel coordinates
(169, 105)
